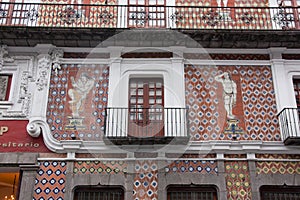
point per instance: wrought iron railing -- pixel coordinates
(122, 16)
(289, 123)
(156, 122)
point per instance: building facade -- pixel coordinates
(149, 99)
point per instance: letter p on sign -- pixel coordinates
(3, 129)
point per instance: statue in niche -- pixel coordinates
(229, 92)
(79, 92)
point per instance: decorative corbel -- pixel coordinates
(56, 54)
(4, 57)
(44, 62)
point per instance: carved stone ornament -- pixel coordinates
(56, 54)
(3, 87)
(43, 67)
(25, 97)
(4, 57)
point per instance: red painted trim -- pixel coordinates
(8, 87)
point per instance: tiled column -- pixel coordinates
(28, 181)
(222, 174)
(69, 180)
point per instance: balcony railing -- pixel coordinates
(289, 123)
(122, 16)
(146, 124)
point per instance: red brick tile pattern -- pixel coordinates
(145, 184)
(100, 167)
(255, 108)
(50, 181)
(192, 166)
(92, 109)
(238, 180)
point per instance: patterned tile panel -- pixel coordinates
(78, 16)
(195, 166)
(100, 167)
(227, 56)
(278, 156)
(291, 56)
(238, 181)
(75, 112)
(255, 106)
(235, 156)
(145, 184)
(272, 167)
(223, 17)
(198, 156)
(50, 181)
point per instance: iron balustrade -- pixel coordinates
(123, 16)
(155, 122)
(289, 123)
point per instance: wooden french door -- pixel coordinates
(147, 13)
(146, 102)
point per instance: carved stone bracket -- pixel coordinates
(43, 66)
(56, 54)
(4, 57)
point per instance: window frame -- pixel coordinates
(100, 189)
(8, 87)
(192, 188)
(277, 189)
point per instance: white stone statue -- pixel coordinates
(78, 93)
(225, 2)
(229, 92)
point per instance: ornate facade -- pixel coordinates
(149, 100)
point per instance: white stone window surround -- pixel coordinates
(283, 73)
(14, 107)
(170, 70)
(13, 73)
(147, 68)
(293, 72)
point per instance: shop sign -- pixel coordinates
(14, 138)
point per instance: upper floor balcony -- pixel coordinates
(155, 125)
(289, 122)
(148, 16)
